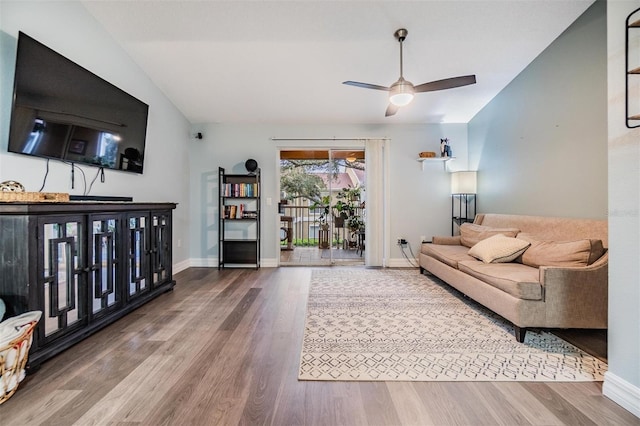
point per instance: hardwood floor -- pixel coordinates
(223, 349)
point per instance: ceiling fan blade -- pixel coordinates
(365, 85)
(447, 83)
(391, 110)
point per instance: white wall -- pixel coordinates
(622, 381)
(540, 146)
(69, 29)
(420, 199)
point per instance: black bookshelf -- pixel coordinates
(239, 219)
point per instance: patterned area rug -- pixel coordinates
(365, 324)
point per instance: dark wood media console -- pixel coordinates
(83, 264)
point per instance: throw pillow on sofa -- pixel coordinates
(561, 253)
(499, 249)
(471, 234)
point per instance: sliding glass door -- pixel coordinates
(322, 207)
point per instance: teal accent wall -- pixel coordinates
(540, 146)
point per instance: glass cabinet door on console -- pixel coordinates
(149, 251)
(61, 287)
(137, 254)
(104, 269)
(160, 247)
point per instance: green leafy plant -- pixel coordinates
(348, 208)
(324, 205)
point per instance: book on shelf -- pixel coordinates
(250, 214)
(245, 190)
(239, 211)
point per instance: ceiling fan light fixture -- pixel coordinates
(401, 99)
(401, 93)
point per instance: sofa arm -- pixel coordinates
(576, 297)
(447, 241)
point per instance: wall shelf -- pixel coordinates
(632, 69)
(443, 160)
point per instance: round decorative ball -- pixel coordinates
(11, 186)
(251, 165)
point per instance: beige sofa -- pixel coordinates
(559, 281)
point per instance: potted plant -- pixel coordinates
(324, 204)
(347, 207)
(340, 213)
(352, 194)
(347, 201)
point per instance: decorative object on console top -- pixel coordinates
(11, 186)
(34, 197)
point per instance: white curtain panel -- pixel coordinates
(376, 194)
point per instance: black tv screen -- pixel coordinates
(63, 111)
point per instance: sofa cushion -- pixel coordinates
(471, 234)
(451, 241)
(516, 279)
(561, 253)
(498, 249)
(448, 254)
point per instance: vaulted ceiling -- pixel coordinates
(284, 61)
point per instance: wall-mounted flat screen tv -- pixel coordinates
(63, 111)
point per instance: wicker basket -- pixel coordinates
(34, 197)
(427, 154)
(13, 356)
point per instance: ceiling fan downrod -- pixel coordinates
(400, 35)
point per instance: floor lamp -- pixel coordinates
(463, 198)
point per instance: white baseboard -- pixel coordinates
(402, 263)
(213, 263)
(269, 263)
(181, 266)
(622, 393)
(205, 262)
(274, 263)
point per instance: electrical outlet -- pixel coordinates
(402, 241)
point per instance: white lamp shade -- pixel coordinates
(463, 182)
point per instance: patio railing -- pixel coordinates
(300, 227)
